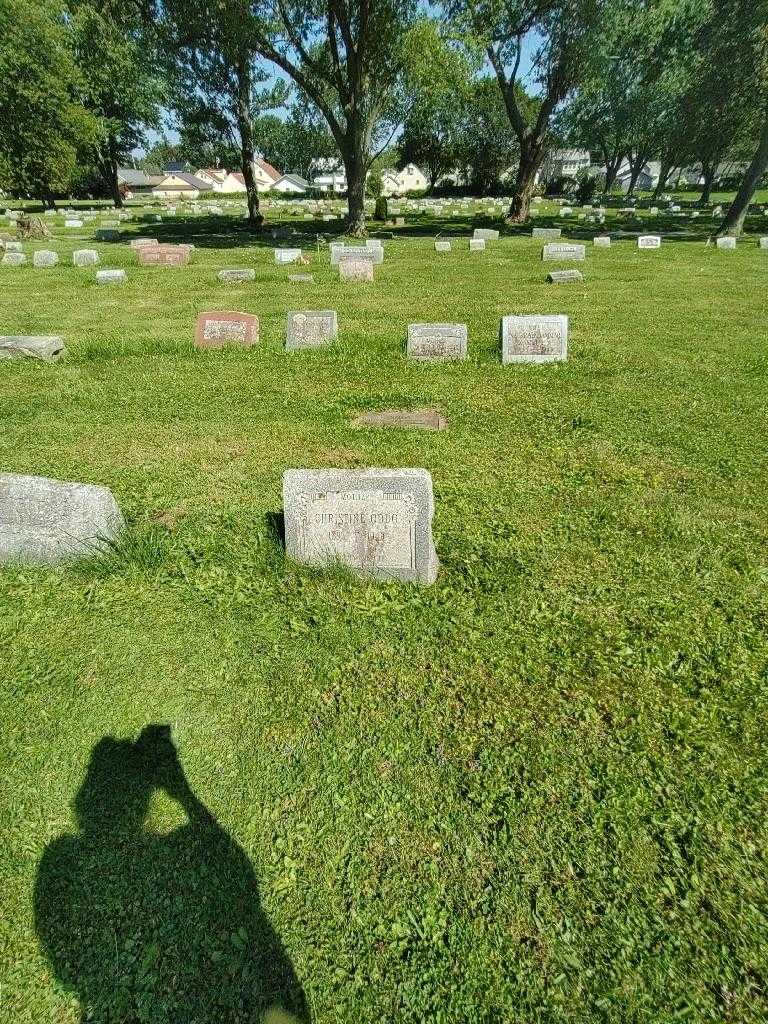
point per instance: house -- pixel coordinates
(564, 163)
(647, 180)
(409, 179)
(265, 174)
(180, 186)
(133, 182)
(291, 183)
(221, 180)
(335, 181)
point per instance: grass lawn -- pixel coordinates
(534, 792)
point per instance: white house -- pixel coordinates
(221, 180)
(648, 179)
(409, 179)
(292, 183)
(564, 163)
(333, 181)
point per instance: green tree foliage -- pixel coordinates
(44, 126)
(349, 58)
(295, 144)
(123, 87)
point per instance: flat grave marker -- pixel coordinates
(726, 242)
(442, 245)
(565, 277)
(110, 277)
(409, 419)
(85, 257)
(283, 256)
(602, 241)
(14, 259)
(546, 233)
(163, 255)
(48, 347)
(44, 258)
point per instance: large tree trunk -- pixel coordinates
(355, 168)
(733, 222)
(611, 170)
(635, 168)
(247, 150)
(114, 184)
(708, 169)
(531, 157)
(664, 172)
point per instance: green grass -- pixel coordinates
(534, 792)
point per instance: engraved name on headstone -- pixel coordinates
(44, 258)
(489, 234)
(563, 251)
(234, 274)
(283, 256)
(310, 329)
(534, 339)
(437, 341)
(163, 255)
(602, 241)
(377, 522)
(110, 277)
(217, 329)
(356, 252)
(136, 243)
(442, 245)
(44, 520)
(14, 259)
(726, 242)
(546, 232)
(649, 242)
(477, 245)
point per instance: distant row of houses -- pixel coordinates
(178, 181)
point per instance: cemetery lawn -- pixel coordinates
(533, 792)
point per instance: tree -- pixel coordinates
(296, 144)
(486, 148)
(123, 88)
(220, 82)
(563, 33)
(348, 57)
(44, 126)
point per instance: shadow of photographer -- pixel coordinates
(152, 927)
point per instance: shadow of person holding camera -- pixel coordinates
(151, 927)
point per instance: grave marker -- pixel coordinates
(85, 257)
(602, 241)
(310, 329)
(356, 252)
(136, 243)
(410, 419)
(442, 245)
(231, 275)
(565, 277)
(649, 242)
(546, 233)
(534, 339)
(477, 245)
(163, 255)
(726, 242)
(44, 520)
(13, 259)
(562, 251)
(488, 234)
(437, 341)
(73, 223)
(377, 522)
(44, 258)
(47, 347)
(110, 277)
(217, 329)
(355, 269)
(283, 256)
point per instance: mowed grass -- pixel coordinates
(534, 792)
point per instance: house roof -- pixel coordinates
(295, 179)
(268, 169)
(176, 167)
(132, 176)
(189, 179)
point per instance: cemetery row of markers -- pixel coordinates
(377, 522)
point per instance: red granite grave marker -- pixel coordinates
(217, 329)
(163, 255)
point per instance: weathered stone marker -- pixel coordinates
(563, 251)
(85, 257)
(44, 520)
(12, 246)
(534, 339)
(217, 329)
(565, 277)
(44, 258)
(442, 245)
(136, 243)
(409, 419)
(48, 347)
(477, 245)
(489, 234)
(649, 242)
(377, 522)
(546, 232)
(763, 242)
(163, 255)
(283, 256)
(301, 278)
(311, 329)
(726, 242)
(237, 275)
(355, 269)
(437, 341)
(14, 259)
(602, 241)
(110, 277)
(356, 252)
(73, 223)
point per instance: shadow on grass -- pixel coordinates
(162, 926)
